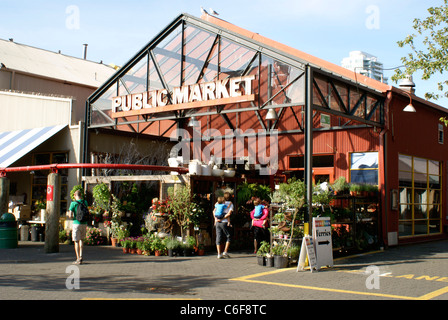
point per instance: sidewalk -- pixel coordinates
(406, 272)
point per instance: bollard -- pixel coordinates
(53, 213)
(4, 194)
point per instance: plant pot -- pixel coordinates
(133, 251)
(280, 262)
(139, 251)
(114, 242)
(201, 252)
(171, 253)
(269, 262)
(261, 260)
(157, 253)
(125, 250)
(187, 252)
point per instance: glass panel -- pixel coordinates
(367, 160)
(420, 211)
(434, 226)
(420, 180)
(404, 163)
(405, 212)
(405, 195)
(405, 228)
(420, 165)
(101, 109)
(434, 196)
(168, 56)
(434, 182)
(434, 211)
(420, 227)
(405, 179)
(40, 159)
(134, 81)
(364, 176)
(433, 167)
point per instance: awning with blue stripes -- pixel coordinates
(15, 144)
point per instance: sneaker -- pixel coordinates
(219, 256)
(225, 255)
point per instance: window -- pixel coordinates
(364, 167)
(420, 186)
(440, 133)
(40, 177)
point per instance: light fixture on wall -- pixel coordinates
(193, 122)
(409, 107)
(271, 115)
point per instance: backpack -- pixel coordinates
(82, 212)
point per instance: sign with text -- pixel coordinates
(219, 92)
(322, 241)
(307, 251)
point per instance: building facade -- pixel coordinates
(328, 123)
(365, 64)
(42, 111)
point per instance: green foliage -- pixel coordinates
(101, 196)
(77, 187)
(432, 59)
(264, 249)
(247, 191)
(182, 206)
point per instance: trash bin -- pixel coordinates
(8, 231)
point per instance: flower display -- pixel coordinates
(94, 237)
(160, 206)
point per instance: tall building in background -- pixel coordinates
(365, 64)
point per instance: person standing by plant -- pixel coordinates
(259, 216)
(223, 228)
(79, 228)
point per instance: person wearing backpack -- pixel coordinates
(80, 214)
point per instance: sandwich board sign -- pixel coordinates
(322, 241)
(307, 251)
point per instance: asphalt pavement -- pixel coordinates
(411, 272)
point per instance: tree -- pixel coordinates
(434, 58)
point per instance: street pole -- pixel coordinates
(308, 146)
(53, 213)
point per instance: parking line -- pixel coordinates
(250, 279)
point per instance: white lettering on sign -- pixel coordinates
(208, 91)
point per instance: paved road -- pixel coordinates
(405, 272)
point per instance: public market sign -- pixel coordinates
(220, 92)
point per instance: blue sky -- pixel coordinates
(116, 30)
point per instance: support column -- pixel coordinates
(4, 195)
(309, 144)
(53, 213)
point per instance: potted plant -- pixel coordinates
(340, 186)
(264, 249)
(188, 246)
(172, 244)
(157, 246)
(201, 249)
(280, 257)
(126, 244)
(182, 206)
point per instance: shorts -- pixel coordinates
(222, 231)
(79, 232)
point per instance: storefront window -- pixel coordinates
(364, 167)
(420, 196)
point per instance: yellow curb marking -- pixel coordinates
(250, 278)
